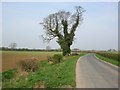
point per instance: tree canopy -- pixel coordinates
(62, 25)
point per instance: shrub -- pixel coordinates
(49, 58)
(57, 58)
(29, 65)
(113, 56)
(9, 74)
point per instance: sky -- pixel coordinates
(99, 30)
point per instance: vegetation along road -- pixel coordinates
(92, 73)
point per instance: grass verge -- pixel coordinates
(48, 76)
(114, 62)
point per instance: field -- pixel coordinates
(47, 76)
(10, 59)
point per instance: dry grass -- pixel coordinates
(11, 58)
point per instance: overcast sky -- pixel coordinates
(99, 29)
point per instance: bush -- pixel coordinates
(9, 74)
(57, 58)
(29, 65)
(113, 56)
(49, 58)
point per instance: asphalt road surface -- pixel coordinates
(92, 73)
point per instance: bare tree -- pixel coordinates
(13, 45)
(62, 25)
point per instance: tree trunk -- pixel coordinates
(66, 50)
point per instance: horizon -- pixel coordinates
(57, 49)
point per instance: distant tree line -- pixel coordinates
(25, 49)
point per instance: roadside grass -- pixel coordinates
(48, 76)
(114, 62)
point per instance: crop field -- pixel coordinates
(10, 59)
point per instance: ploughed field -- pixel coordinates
(10, 59)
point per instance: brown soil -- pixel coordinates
(11, 60)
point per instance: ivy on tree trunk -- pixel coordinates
(63, 26)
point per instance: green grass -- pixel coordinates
(114, 62)
(49, 75)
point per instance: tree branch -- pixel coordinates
(65, 27)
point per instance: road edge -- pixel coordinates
(106, 62)
(77, 71)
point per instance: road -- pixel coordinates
(92, 73)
